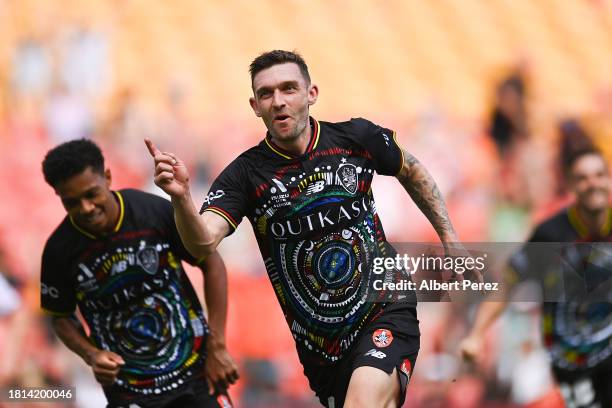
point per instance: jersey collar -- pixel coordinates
(312, 144)
(582, 229)
(117, 226)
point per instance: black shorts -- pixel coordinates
(391, 341)
(592, 388)
(192, 395)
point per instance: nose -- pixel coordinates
(87, 207)
(277, 99)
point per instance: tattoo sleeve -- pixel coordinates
(423, 190)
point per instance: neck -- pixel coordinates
(298, 145)
(593, 219)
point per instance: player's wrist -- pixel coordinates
(449, 240)
(477, 333)
(183, 198)
(215, 341)
(90, 355)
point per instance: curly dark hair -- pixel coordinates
(71, 158)
(275, 57)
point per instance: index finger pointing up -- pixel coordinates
(153, 150)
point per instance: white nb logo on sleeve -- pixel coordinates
(375, 353)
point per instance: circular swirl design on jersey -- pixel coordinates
(325, 277)
(581, 332)
(158, 335)
(155, 336)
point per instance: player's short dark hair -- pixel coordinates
(275, 57)
(71, 158)
(587, 151)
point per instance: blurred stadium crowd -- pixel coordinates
(490, 96)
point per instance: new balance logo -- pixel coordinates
(315, 187)
(375, 353)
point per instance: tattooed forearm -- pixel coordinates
(423, 190)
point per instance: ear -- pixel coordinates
(254, 106)
(313, 94)
(108, 177)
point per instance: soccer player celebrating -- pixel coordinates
(577, 333)
(117, 255)
(306, 191)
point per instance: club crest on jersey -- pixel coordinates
(346, 176)
(382, 337)
(148, 259)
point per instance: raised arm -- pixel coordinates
(200, 234)
(423, 190)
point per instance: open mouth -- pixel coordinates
(281, 118)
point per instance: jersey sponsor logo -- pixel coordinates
(346, 176)
(319, 220)
(315, 187)
(280, 201)
(213, 196)
(49, 290)
(279, 194)
(382, 337)
(376, 353)
(126, 295)
(406, 367)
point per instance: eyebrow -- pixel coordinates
(86, 192)
(282, 85)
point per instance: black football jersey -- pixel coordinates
(317, 228)
(133, 293)
(578, 331)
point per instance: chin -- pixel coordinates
(286, 136)
(595, 206)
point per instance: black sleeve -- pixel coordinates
(541, 234)
(166, 214)
(227, 196)
(527, 262)
(57, 291)
(382, 145)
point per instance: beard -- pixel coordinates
(293, 134)
(594, 201)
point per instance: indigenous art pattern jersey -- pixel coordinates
(315, 221)
(133, 293)
(577, 334)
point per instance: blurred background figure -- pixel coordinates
(573, 138)
(509, 119)
(509, 130)
(480, 91)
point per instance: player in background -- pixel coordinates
(577, 334)
(117, 256)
